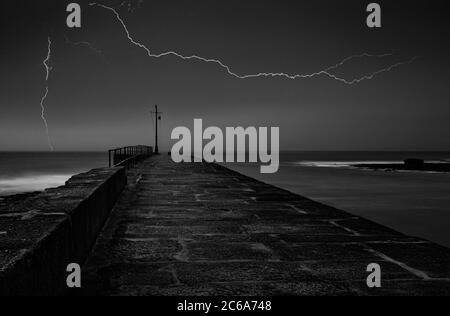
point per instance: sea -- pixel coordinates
(23, 172)
(415, 203)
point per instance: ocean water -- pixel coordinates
(28, 172)
(415, 203)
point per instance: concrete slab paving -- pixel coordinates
(201, 229)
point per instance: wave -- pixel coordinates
(354, 164)
(341, 164)
(33, 183)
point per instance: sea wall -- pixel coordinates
(44, 233)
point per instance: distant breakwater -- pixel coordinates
(425, 167)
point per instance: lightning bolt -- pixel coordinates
(327, 72)
(46, 62)
(48, 69)
(85, 44)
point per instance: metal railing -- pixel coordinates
(128, 156)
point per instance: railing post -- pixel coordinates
(128, 156)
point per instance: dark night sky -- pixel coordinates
(97, 102)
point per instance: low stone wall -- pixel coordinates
(42, 234)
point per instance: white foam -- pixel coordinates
(31, 183)
(342, 164)
(349, 164)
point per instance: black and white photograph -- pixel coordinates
(224, 154)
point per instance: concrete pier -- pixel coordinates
(201, 229)
(42, 233)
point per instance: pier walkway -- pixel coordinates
(201, 229)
